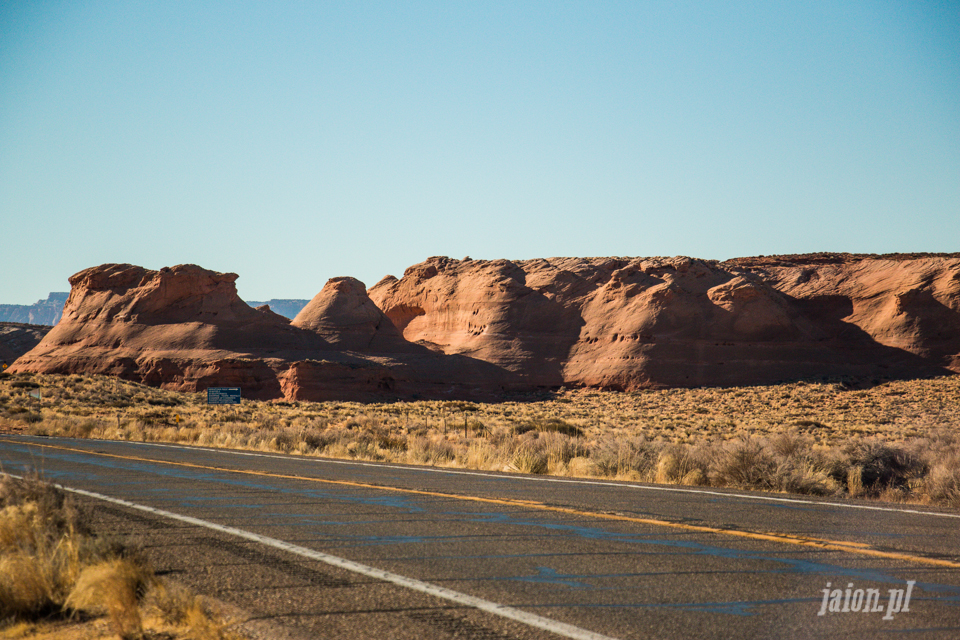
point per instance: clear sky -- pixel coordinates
(291, 142)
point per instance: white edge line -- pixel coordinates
(504, 611)
(481, 474)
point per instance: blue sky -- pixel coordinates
(297, 141)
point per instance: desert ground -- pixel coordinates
(887, 440)
(890, 440)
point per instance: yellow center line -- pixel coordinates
(804, 541)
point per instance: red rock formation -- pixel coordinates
(627, 323)
(466, 328)
(345, 316)
(175, 327)
(185, 328)
(18, 338)
(907, 303)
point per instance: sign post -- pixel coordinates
(223, 395)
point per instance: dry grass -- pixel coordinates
(56, 578)
(896, 440)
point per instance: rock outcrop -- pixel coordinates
(470, 328)
(906, 302)
(627, 323)
(18, 338)
(185, 328)
(345, 316)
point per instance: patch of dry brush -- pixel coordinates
(896, 440)
(55, 576)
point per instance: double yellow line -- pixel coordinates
(803, 541)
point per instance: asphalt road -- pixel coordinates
(315, 548)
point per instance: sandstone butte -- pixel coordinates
(480, 329)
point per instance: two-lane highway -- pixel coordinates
(330, 548)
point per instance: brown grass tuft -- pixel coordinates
(51, 565)
(112, 587)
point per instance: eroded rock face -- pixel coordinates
(347, 318)
(909, 304)
(171, 328)
(470, 328)
(626, 323)
(185, 328)
(18, 338)
(495, 311)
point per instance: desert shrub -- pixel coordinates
(422, 450)
(744, 463)
(164, 402)
(500, 436)
(319, 440)
(810, 423)
(555, 425)
(283, 440)
(808, 475)
(528, 458)
(789, 444)
(177, 606)
(560, 448)
(873, 466)
(614, 457)
(51, 566)
(391, 442)
(40, 549)
(52, 505)
(942, 483)
(270, 422)
(478, 428)
(112, 587)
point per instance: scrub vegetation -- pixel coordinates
(893, 440)
(59, 581)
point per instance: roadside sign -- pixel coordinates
(223, 395)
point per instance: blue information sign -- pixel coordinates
(223, 395)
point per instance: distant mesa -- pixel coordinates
(479, 329)
(288, 308)
(43, 312)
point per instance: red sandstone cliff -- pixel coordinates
(903, 302)
(185, 328)
(627, 323)
(345, 316)
(471, 328)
